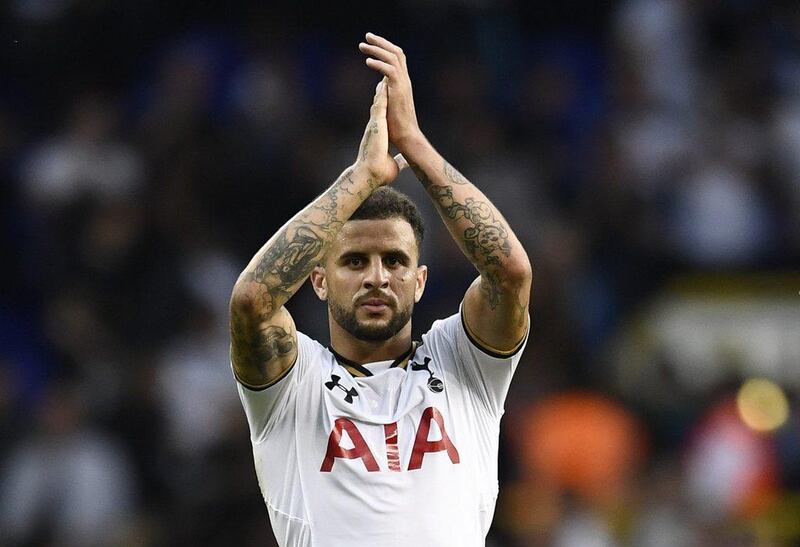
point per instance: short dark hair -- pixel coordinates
(386, 202)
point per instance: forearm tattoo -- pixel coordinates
(371, 130)
(485, 238)
(450, 172)
(453, 174)
(303, 242)
(280, 269)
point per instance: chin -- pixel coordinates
(377, 331)
(371, 328)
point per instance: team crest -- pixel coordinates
(434, 383)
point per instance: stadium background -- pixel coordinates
(645, 151)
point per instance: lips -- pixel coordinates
(374, 305)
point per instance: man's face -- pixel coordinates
(370, 278)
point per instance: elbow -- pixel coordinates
(240, 301)
(244, 298)
(518, 272)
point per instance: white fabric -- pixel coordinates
(439, 504)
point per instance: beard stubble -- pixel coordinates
(346, 318)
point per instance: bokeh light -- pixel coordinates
(762, 404)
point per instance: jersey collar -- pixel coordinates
(360, 370)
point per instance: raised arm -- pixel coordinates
(263, 335)
(496, 304)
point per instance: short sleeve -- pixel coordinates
(488, 371)
(266, 406)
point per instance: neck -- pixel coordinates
(365, 351)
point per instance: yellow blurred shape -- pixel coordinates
(762, 404)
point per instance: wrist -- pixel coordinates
(410, 142)
(363, 174)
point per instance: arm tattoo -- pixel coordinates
(348, 185)
(371, 130)
(255, 347)
(302, 243)
(287, 259)
(453, 174)
(485, 238)
(520, 308)
(259, 344)
(490, 286)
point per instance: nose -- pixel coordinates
(376, 275)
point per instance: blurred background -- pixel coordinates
(646, 152)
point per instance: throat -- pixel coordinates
(366, 368)
(367, 351)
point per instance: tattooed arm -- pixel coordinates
(263, 336)
(496, 304)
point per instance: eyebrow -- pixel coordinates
(398, 252)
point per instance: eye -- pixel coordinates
(354, 261)
(393, 260)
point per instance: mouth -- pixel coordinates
(374, 305)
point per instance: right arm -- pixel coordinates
(263, 335)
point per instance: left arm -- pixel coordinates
(496, 304)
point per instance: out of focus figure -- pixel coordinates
(66, 483)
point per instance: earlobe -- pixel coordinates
(422, 278)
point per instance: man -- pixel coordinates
(379, 441)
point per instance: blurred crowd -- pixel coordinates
(148, 149)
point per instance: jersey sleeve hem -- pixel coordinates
(487, 348)
(251, 387)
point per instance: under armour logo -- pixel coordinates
(349, 393)
(434, 384)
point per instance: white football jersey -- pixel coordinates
(386, 454)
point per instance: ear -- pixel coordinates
(319, 282)
(422, 278)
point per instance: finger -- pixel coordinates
(401, 162)
(379, 53)
(379, 103)
(385, 44)
(390, 71)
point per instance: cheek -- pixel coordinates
(337, 285)
(407, 281)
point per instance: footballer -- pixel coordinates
(378, 440)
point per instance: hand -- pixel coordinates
(389, 60)
(373, 153)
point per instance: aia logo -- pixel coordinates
(361, 450)
(348, 393)
(434, 383)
